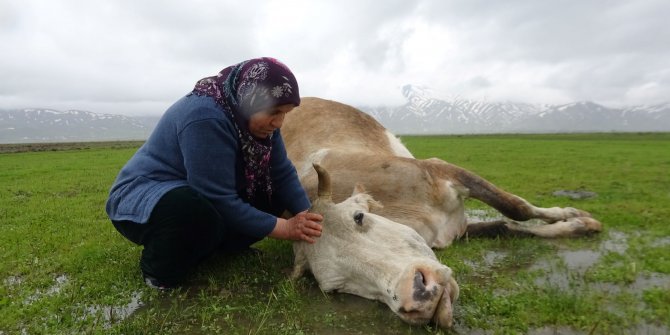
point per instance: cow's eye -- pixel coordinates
(358, 218)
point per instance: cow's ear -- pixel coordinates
(374, 204)
(359, 188)
(366, 201)
(362, 197)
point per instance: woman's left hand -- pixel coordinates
(303, 226)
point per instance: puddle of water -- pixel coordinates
(582, 260)
(554, 330)
(561, 279)
(641, 283)
(491, 258)
(647, 329)
(12, 281)
(470, 264)
(22, 195)
(460, 329)
(553, 277)
(661, 242)
(109, 314)
(654, 280)
(342, 313)
(378, 318)
(60, 281)
(114, 314)
(617, 242)
(575, 194)
(640, 329)
(579, 260)
(489, 215)
(482, 215)
(24, 331)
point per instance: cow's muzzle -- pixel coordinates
(428, 296)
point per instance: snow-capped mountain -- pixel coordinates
(423, 114)
(40, 125)
(588, 116)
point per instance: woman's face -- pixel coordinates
(262, 124)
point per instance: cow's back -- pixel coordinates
(317, 124)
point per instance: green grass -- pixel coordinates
(64, 269)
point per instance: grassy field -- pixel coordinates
(64, 269)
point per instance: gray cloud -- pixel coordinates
(587, 50)
(127, 56)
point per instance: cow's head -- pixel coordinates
(367, 255)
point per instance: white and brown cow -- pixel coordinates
(375, 258)
(426, 195)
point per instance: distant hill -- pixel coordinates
(421, 114)
(47, 125)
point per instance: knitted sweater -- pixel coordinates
(196, 144)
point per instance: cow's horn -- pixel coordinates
(324, 182)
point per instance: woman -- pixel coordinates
(214, 174)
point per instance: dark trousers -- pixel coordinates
(183, 229)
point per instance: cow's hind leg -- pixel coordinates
(566, 221)
(577, 226)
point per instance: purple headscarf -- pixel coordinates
(242, 90)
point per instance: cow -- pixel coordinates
(370, 256)
(425, 194)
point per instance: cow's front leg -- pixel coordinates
(300, 263)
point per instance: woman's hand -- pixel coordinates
(303, 226)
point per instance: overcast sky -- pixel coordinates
(138, 56)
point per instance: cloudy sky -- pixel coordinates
(138, 56)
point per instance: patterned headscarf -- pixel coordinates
(243, 90)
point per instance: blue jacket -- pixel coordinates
(196, 144)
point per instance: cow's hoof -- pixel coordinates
(576, 213)
(587, 226)
(592, 224)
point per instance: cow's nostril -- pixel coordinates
(419, 280)
(421, 290)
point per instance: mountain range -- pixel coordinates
(421, 114)
(47, 125)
